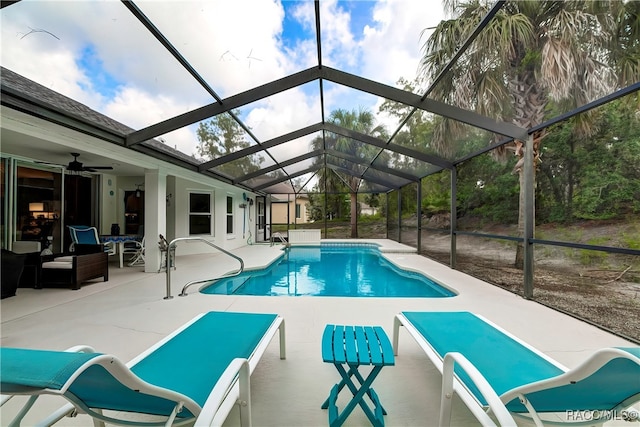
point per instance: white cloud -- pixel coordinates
(339, 48)
(393, 42)
(233, 45)
(288, 111)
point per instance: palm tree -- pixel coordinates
(361, 121)
(530, 54)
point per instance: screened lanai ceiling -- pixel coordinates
(264, 78)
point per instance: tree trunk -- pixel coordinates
(529, 101)
(354, 215)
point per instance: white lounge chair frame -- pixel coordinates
(233, 387)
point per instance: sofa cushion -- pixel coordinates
(26, 246)
(59, 265)
(68, 258)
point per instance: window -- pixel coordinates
(200, 213)
(261, 215)
(229, 215)
(297, 210)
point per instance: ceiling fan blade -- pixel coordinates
(99, 167)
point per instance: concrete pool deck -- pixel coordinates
(127, 314)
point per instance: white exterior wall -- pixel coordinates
(160, 179)
(177, 211)
(171, 208)
(108, 203)
(219, 192)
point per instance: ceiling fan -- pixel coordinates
(76, 166)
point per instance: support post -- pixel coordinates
(326, 231)
(419, 213)
(168, 272)
(453, 217)
(10, 207)
(155, 215)
(529, 216)
(386, 209)
(399, 215)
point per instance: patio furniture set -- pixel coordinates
(88, 258)
(496, 375)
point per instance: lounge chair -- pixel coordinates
(198, 373)
(495, 373)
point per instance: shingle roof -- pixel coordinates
(22, 87)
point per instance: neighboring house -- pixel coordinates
(289, 208)
(365, 209)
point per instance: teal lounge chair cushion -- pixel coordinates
(189, 363)
(503, 361)
(213, 342)
(31, 371)
(24, 369)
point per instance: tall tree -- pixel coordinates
(223, 135)
(361, 121)
(531, 53)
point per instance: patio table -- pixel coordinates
(119, 241)
(348, 348)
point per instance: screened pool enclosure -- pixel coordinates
(512, 146)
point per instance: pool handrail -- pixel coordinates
(280, 237)
(172, 246)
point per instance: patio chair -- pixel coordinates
(85, 239)
(196, 374)
(136, 250)
(495, 373)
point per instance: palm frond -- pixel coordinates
(558, 68)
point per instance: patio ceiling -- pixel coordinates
(300, 151)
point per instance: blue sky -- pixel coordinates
(101, 80)
(294, 31)
(361, 13)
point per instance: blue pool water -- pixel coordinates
(330, 270)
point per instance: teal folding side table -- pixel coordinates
(348, 348)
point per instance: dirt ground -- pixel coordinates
(603, 289)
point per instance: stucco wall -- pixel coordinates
(220, 237)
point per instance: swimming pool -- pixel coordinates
(330, 270)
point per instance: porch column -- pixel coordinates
(155, 216)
